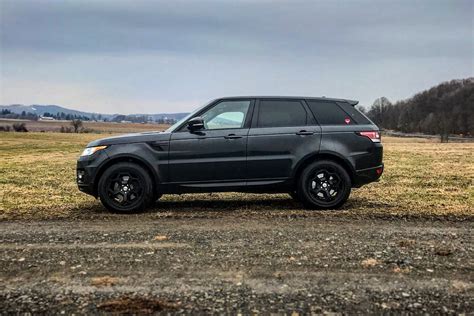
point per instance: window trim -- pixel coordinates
(256, 115)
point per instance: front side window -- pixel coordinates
(281, 113)
(225, 115)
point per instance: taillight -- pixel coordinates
(373, 136)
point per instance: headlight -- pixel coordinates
(90, 150)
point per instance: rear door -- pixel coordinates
(283, 132)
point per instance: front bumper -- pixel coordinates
(368, 175)
(87, 170)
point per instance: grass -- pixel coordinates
(421, 178)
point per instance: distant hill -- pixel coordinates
(55, 109)
(42, 109)
(447, 108)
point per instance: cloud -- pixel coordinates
(241, 27)
(179, 53)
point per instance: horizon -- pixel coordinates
(171, 57)
(3, 106)
(366, 106)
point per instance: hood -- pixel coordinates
(131, 138)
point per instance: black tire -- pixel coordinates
(125, 188)
(324, 185)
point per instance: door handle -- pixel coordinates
(303, 132)
(232, 136)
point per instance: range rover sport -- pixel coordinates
(315, 149)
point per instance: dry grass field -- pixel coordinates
(422, 178)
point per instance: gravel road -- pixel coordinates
(228, 263)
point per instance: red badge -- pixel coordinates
(347, 120)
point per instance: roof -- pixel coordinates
(351, 102)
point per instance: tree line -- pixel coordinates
(446, 109)
(142, 119)
(5, 113)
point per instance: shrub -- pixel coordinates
(87, 130)
(20, 127)
(5, 128)
(65, 129)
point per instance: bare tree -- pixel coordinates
(77, 125)
(445, 109)
(378, 111)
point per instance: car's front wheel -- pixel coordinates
(125, 188)
(324, 185)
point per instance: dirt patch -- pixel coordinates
(160, 238)
(104, 281)
(405, 243)
(371, 262)
(443, 251)
(135, 305)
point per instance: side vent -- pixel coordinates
(159, 146)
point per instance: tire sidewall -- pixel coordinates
(305, 195)
(146, 183)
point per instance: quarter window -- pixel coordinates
(354, 113)
(281, 113)
(329, 113)
(226, 115)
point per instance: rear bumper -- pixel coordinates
(368, 175)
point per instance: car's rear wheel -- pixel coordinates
(125, 188)
(324, 185)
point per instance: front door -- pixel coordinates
(216, 153)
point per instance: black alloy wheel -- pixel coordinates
(125, 187)
(324, 185)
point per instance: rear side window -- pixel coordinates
(329, 113)
(358, 117)
(281, 113)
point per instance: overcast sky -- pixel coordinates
(171, 56)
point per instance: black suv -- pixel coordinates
(315, 149)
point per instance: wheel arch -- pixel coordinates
(126, 158)
(325, 156)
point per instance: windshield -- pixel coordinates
(187, 117)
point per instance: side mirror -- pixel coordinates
(196, 123)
